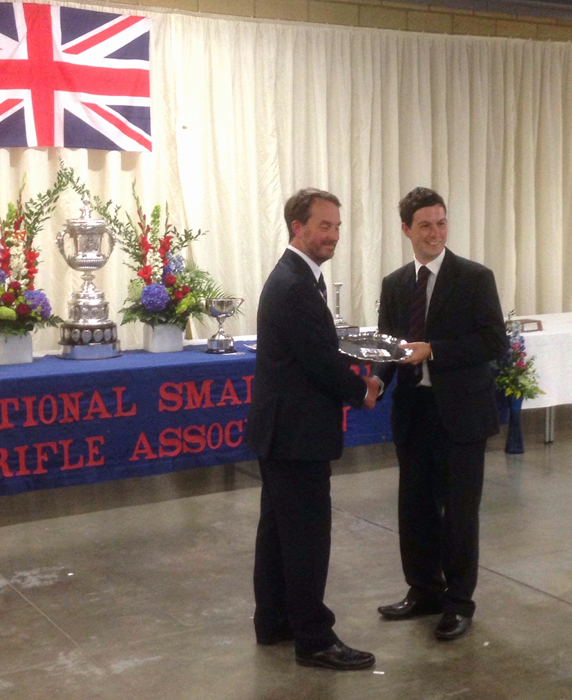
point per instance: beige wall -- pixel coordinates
(378, 13)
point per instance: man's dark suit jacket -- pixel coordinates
(300, 379)
(466, 330)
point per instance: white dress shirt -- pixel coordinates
(313, 266)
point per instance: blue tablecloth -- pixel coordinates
(66, 422)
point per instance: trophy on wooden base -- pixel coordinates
(88, 334)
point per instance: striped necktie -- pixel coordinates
(322, 288)
(418, 307)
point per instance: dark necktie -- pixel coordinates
(418, 306)
(322, 288)
(417, 317)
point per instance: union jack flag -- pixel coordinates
(73, 78)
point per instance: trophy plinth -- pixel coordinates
(221, 309)
(88, 334)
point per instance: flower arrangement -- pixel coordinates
(516, 375)
(24, 308)
(166, 288)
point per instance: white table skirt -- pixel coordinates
(552, 350)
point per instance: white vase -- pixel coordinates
(163, 337)
(16, 349)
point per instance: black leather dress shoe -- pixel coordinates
(339, 657)
(284, 636)
(408, 608)
(452, 626)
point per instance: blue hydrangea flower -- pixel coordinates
(38, 302)
(176, 263)
(155, 297)
(167, 270)
(3, 276)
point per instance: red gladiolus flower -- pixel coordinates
(178, 295)
(22, 309)
(146, 274)
(8, 298)
(170, 280)
(15, 285)
(145, 244)
(185, 289)
(31, 257)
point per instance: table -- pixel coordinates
(552, 350)
(65, 422)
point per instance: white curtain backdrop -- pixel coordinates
(245, 112)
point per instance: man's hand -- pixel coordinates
(421, 351)
(373, 387)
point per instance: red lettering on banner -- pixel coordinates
(120, 410)
(23, 469)
(174, 443)
(166, 395)
(42, 409)
(97, 406)
(345, 423)
(70, 406)
(355, 369)
(248, 381)
(4, 468)
(94, 451)
(195, 398)
(229, 394)
(66, 445)
(194, 443)
(142, 447)
(4, 405)
(29, 403)
(218, 426)
(42, 456)
(227, 430)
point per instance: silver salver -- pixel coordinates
(374, 347)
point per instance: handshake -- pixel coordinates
(374, 387)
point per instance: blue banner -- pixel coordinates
(66, 422)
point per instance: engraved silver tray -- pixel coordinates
(374, 347)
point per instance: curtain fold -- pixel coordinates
(245, 112)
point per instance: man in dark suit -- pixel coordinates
(295, 426)
(443, 410)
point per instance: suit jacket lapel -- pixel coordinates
(408, 288)
(444, 286)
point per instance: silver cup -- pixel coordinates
(342, 327)
(88, 334)
(221, 309)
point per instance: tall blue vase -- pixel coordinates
(514, 442)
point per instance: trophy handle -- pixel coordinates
(60, 243)
(237, 307)
(111, 238)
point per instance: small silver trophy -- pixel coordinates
(221, 309)
(88, 334)
(342, 328)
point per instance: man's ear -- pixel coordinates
(406, 230)
(296, 227)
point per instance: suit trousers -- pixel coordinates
(440, 487)
(293, 553)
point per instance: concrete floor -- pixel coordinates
(142, 588)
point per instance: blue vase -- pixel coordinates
(502, 407)
(514, 442)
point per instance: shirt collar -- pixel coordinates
(434, 266)
(313, 266)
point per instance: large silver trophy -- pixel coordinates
(221, 309)
(88, 334)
